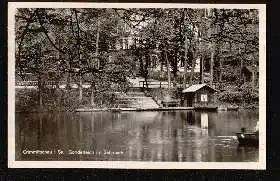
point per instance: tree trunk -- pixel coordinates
(68, 83)
(57, 68)
(212, 64)
(168, 71)
(176, 68)
(40, 87)
(96, 61)
(141, 66)
(174, 64)
(146, 69)
(186, 54)
(80, 89)
(80, 84)
(185, 62)
(146, 81)
(193, 66)
(151, 62)
(41, 81)
(92, 95)
(202, 69)
(97, 42)
(58, 78)
(80, 57)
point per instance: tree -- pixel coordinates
(238, 29)
(60, 41)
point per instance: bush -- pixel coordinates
(250, 94)
(230, 96)
(243, 95)
(26, 100)
(162, 76)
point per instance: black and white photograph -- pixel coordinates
(176, 86)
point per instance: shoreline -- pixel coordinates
(128, 110)
(133, 109)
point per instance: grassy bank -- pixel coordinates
(27, 100)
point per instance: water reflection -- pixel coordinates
(138, 136)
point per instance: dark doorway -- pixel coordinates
(189, 101)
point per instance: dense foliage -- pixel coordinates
(79, 46)
(244, 95)
(71, 45)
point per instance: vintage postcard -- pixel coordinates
(142, 85)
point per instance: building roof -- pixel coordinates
(196, 87)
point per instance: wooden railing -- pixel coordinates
(152, 83)
(156, 84)
(35, 83)
(49, 83)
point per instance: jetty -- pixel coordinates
(134, 109)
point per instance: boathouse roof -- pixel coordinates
(196, 87)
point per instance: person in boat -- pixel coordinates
(243, 130)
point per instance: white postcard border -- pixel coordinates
(12, 163)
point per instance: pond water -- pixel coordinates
(184, 136)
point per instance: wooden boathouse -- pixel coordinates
(199, 96)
